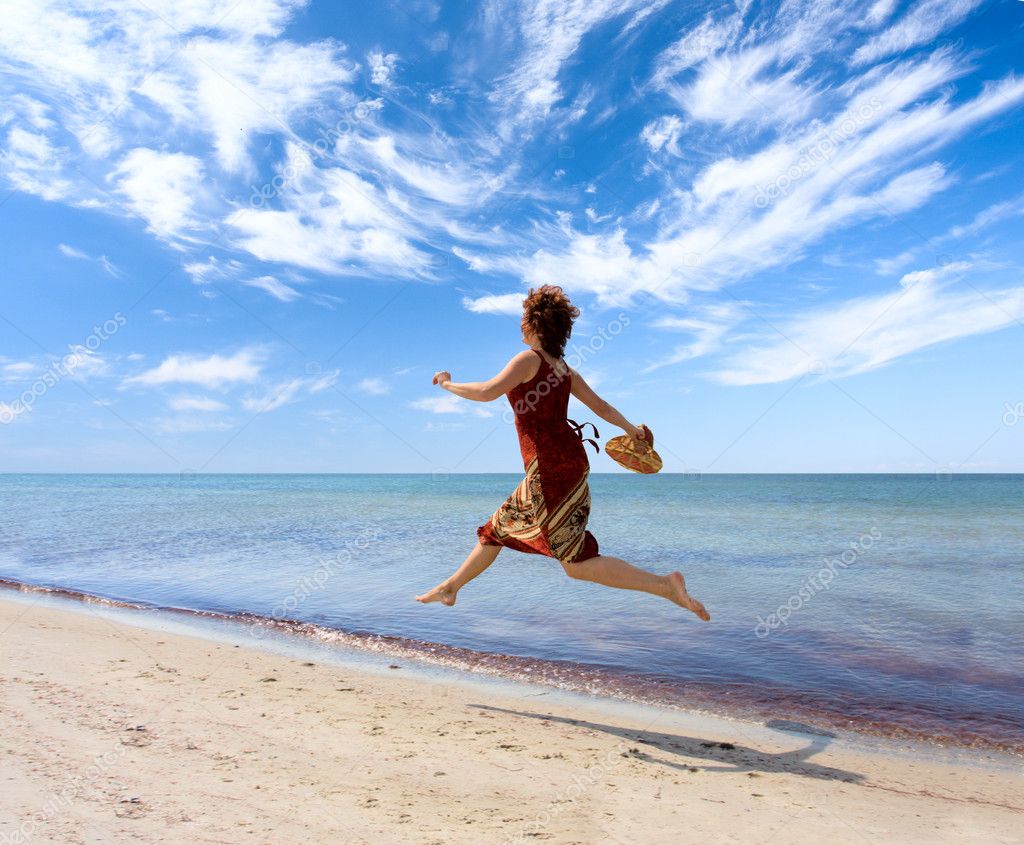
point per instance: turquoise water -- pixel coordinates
(886, 602)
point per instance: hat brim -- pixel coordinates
(634, 455)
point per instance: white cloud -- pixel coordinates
(195, 403)
(449, 403)
(663, 133)
(374, 386)
(16, 371)
(382, 65)
(495, 303)
(443, 181)
(277, 289)
(719, 231)
(603, 264)
(186, 424)
(708, 325)
(888, 266)
(71, 252)
(696, 45)
(214, 269)
(33, 112)
(549, 32)
(201, 271)
(105, 263)
(934, 274)
(244, 89)
(105, 72)
(988, 216)
(333, 221)
(862, 334)
(32, 164)
(741, 87)
(320, 242)
(181, 128)
(444, 425)
(83, 362)
(286, 392)
(19, 367)
(880, 11)
(212, 371)
(161, 188)
(921, 24)
(325, 381)
(277, 397)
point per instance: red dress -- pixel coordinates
(547, 514)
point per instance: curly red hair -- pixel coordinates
(548, 313)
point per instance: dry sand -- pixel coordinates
(115, 733)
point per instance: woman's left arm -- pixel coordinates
(515, 372)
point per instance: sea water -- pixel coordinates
(891, 603)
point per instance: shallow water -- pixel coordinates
(888, 603)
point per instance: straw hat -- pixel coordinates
(637, 455)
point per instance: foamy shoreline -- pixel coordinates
(113, 731)
(753, 704)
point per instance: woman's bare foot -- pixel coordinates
(442, 593)
(678, 594)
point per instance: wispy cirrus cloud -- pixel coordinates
(865, 333)
(743, 138)
(989, 216)
(277, 289)
(288, 391)
(748, 213)
(105, 263)
(708, 326)
(982, 220)
(549, 32)
(922, 22)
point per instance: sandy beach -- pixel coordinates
(115, 733)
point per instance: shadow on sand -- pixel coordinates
(733, 758)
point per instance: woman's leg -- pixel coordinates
(479, 559)
(615, 572)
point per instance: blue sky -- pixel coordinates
(242, 236)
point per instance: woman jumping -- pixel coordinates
(547, 514)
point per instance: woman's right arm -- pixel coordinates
(585, 393)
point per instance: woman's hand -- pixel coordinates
(637, 432)
(442, 378)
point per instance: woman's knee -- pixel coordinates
(572, 569)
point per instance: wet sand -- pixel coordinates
(113, 733)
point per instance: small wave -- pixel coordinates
(823, 711)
